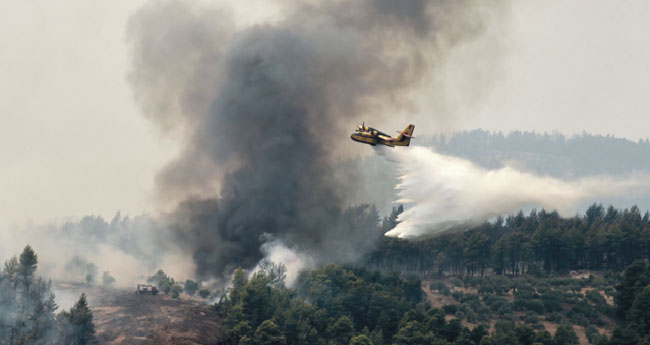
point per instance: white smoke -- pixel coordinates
(443, 193)
(295, 261)
(130, 249)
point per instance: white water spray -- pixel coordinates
(443, 193)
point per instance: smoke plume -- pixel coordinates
(263, 112)
(444, 193)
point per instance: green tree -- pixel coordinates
(176, 290)
(376, 337)
(342, 330)
(268, 333)
(635, 277)
(639, 314)
(565, 335)
(28, 262)
(80, 327)
(236, 325)
(477, 253)
(191, 287)
(411, 334)
(525, 334)
(624, 336)
(162, 281)
(360, 339)
(204, 293)
(245, 340)
(239, 281)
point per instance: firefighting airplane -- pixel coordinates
(371, 136)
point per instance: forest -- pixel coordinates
(508, 281)
(540, 243)
(343, 305)
(522, 280)
(28, 310)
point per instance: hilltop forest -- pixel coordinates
(539, 243)
(504, 282)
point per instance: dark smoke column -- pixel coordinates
(262, 111)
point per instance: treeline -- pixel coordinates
(335, 305)
(539, 243)
(28, 308)
(547, 154)
(169, 286)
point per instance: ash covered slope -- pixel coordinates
(122, 317)
(261, 110)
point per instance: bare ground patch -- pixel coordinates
(122, 317)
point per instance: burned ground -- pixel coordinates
(122, 317)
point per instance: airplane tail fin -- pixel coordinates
(404, 137)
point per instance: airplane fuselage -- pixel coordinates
(370, 139)
(371, 136)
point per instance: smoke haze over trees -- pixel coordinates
(28, 308)
(547, 154)
(130, 248)
(137, 246)
(262, 111)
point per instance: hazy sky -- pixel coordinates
(573, 66)
(72, 140)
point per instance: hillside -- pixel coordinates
(582, 299)
(122, 317)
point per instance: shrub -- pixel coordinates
(485, 289)
(529, 305)
(505, 309)
(450, 309)
(471, 317)
(590, 333)
(176, 290)
(595, 297)
(204, 293)
(555, 317)
(446, 291)
(531, 318)
(191, 287)
(456, 282)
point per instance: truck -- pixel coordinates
(146, 289)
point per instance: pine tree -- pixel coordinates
(27, 267)
(80, 321)
(640, 311)
(268, 333)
